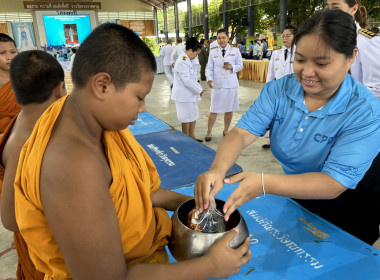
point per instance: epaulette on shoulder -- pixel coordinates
(276, 48)
(184, 57)
(367, 33)
(214, 47)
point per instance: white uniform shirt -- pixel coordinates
(177, 50)
(221, 77)
(278, 66)
(366, 67)
(185, 85)
(165, 52)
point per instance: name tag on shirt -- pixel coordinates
(231, 54)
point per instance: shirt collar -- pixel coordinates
(336, 105)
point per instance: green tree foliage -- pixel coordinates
(373, 8)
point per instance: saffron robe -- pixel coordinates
(9, 108)
(25, 267)
(144, 229)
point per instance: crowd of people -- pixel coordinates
(82, 196)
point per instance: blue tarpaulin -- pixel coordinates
(147, 123)
(179, 159)
(289, 242)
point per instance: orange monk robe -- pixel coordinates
(25, 267)
(9, 108)
(144, 230)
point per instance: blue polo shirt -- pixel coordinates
(341, 139)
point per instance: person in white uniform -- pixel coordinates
(366, 67)
(178, 49)
(187, 91)
(223, 63)
(281, 61)
(166, 52)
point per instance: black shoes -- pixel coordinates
(266, 146)
(208, 139)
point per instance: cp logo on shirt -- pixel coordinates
(319, 138)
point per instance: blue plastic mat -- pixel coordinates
(289, 242)
(179, 159)
(147, 123)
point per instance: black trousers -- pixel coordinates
(356, 211)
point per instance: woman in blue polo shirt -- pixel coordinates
(324, 129)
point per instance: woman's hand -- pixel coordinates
(210, 180)
(225, 260)
(250, 187)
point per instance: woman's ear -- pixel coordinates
(353, 56)
(101, 85)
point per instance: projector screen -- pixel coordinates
(66, 29)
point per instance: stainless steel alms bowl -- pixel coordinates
(186, 243)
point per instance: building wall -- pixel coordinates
(17, 6)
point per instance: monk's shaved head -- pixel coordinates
(115, 50)
(34, 75)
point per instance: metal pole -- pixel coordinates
(225, 14)
(283, 12)
(156, 26)
(205, 19)
(251, 17)
(189, 14)
(176, 21)
(165, 23)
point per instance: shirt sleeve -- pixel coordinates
(210, 68)
(257, 120)
(353, 151)
(183, 72)
(270, 75)
(239, 63)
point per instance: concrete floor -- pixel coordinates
(158, 103)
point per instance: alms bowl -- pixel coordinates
(187, 244)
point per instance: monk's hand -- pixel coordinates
(210, 84)
(225, 260)
(249, 187)
(201, 93)
(208, 183)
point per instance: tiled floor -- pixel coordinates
(158, 103)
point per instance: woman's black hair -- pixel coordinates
(336, 29)
(193, 44)
(293, 29)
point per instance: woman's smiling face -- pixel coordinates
(319, 68)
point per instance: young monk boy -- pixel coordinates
(87, 196)
(8, 104)
(38, 80)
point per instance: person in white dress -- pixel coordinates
(366, 67)
(223, 64)
(187, 91)
(72, 57)
(281, 60)
(166, 52)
